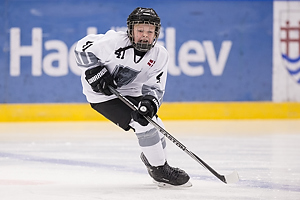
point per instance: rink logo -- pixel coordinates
(290, 43)
(56, 63)
(59, 59)
(192, 64)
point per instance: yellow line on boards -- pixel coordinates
(168, 111)
(48, 112)
(230, 110)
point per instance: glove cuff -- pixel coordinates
(154, 102)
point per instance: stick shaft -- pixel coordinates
(169, 136)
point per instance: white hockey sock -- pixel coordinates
(151, 141)
(155, 154)
(162, 137)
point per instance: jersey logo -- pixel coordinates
(158, 77)
(87, 45)
(124, 75)
(151, 62)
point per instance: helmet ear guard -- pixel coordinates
(143, 16)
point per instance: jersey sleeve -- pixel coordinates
(157, 77)
(93, 49)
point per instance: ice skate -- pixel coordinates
(167, 176)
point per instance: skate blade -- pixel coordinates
(166, 185)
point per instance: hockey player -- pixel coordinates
(136, 66)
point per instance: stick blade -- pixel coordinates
(232, 178)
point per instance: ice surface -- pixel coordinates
(97, 160)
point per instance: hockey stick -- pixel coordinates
(231, 178)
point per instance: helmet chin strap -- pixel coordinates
(143, 47)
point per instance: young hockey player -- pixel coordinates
(136, 66)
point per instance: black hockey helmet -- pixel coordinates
(143, 16)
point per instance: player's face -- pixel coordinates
(144, 33)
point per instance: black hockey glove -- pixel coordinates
(99, 78)
(148, 106)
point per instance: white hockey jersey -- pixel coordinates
(134, 76)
